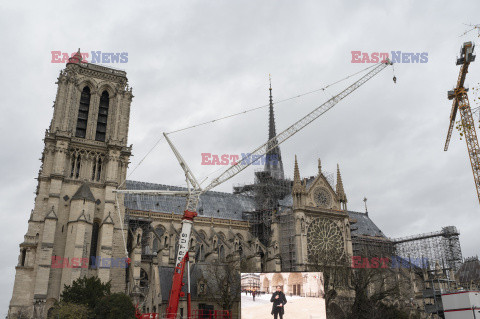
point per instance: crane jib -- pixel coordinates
(296, 127)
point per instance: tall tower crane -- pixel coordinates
(460, 102)
(195, 190)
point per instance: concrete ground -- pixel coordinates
(296, 307)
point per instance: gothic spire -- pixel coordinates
(271, 124)
(273, 163)
(298, 188)
(340, 190)
(296, 173)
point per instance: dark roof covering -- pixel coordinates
(224, 205)
(365, 226)
(212, 204)
(84, 192)
(287, 201)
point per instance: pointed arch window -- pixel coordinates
(72, 169)
(83, 109)
(102, 117)
(94, 242)
(23, 257)
(97, 169)
(75, 169)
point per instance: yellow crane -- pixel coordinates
(460, 102)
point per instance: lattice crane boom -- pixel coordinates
(294, 128)
(464, 60)
(461, 103)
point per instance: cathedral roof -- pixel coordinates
(212, 204)
(365, 226)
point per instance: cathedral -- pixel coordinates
(272, 225)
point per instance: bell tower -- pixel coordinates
(75, 214)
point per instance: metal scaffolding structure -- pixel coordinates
(267, 191)
(441, 246)
(287, 241)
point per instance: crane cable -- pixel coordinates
(266, 105)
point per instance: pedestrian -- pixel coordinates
(279, 300)
(253, 294)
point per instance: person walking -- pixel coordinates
(253, 294)
(279, 300)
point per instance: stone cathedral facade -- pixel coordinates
(77, 215)
(74, 215)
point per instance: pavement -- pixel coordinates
(296, 307)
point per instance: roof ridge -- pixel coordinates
(184, 188)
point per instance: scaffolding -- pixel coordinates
(266, 191)
(287, 241)
(441, 246)
(369, 246)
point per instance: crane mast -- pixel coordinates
(195, 190)
(461, 103)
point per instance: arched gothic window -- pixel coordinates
(24, 255)
(82, 119)
(102, 117)
(97, 169)
(75, 169)
(94, 242)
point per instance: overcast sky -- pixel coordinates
(198, 60)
